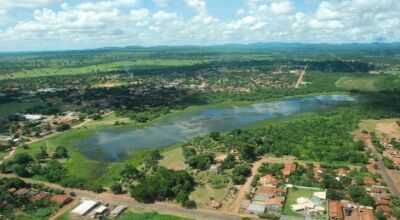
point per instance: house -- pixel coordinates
(215, 205)
(342, 172)
(375, 72)
(335, 210)
(371, 165)
(384, 196)
(318, 198)
(396, 161)
(214, 167)
(101, 210)
(32, 117)
(316, 210)
(274, 204)
(368, 181)
(262, 197)
(366, 213)
(22, 191)
(353, 212)
(380, 201)
(298, 207)
(268, 180)
(85, 207)
(118, 210)
(377, 189)
(220, 158)
(255, 208)
(288, 169)
(39, 196)
(387, 211)
(318, 171)
(390, 152)
(5, 138)
(61, 199)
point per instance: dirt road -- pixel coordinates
(64, 209)
(160, 207)
(241, 195)
(301, 78)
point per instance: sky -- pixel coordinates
(77, 24)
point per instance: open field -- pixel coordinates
(113, 66)
(385, 127)
(211, 186)
(359, 83)
(13, 107)
(173, 159)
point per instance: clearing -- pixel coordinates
(388, 128)
(360, 83)
(211, 186)
(14, 107)
(173, 159)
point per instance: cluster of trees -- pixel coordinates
(164, 184)
(12, 204)
(48, 167)
(200, 161)
(240, 173)
(271, 168)
(325, 137)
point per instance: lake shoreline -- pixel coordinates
(199, 120)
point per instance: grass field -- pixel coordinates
(360, 83)
(211, 186)
(295, 193)
(15, 107)
(384, 127)
(120, 65)
(173, 158)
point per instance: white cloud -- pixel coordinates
(13, 4)
(139, 14)
(123, 22)
(164, 16)
(198, 5)
(281, 7)
(4, 17)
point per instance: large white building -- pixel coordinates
(85, 207)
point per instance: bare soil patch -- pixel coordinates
(389, 128)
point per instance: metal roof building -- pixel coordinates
(85, 207)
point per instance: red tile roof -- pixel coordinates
(61, 199)
(288, 169)
(274, 201)
(335, 210)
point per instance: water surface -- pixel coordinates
(113, 144)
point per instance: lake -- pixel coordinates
(116, 143)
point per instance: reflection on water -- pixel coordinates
(115, 143)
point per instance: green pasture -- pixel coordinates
(358, 83)
(120, 65)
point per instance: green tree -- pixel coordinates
(116, 188)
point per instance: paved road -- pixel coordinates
(381, 167)
(164, 208)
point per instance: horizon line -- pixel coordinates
(191, 45)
